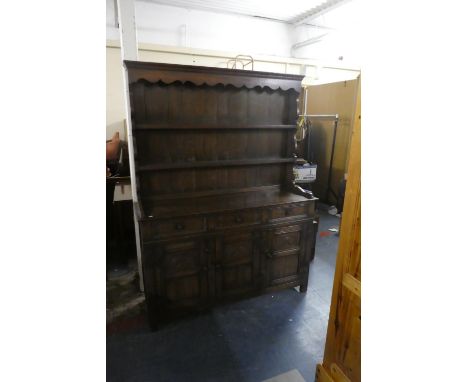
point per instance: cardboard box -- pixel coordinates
(305, 174)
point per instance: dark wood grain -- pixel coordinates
(218, 163)
(221, 218)
(160, 126)
(200, 75)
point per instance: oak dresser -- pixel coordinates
(219, 215)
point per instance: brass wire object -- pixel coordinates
(241, 59)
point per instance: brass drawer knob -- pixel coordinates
(179, 226)
(238, 219)
(268, 254)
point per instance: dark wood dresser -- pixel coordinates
(220, 217)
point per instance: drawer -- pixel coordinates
(288, 211)
(234, 219)
(163, 228)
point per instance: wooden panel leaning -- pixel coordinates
(342, 357)
(220, 216)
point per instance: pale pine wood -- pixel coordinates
(343, 344)
(337, 374)
(352, 283)
(321, 375)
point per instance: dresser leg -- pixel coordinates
(153, 317)
(153, 323)
(303, 287)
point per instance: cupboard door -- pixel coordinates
(176, 274)
(284, 254)
(237, 263)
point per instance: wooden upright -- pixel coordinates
(342, 358)
(219, 215)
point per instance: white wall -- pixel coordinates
(115, 103)
(174, 26)
(342, 39)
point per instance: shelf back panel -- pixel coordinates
(203, 130)
(189, 104)
(213, 145)
(210, 179)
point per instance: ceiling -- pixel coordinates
(291, 12)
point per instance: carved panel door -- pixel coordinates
(237, 263)
(176, 273)
(283, 253)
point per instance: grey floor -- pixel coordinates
(251, 340)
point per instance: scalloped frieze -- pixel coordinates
(202, 75)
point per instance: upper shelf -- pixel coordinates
(200, 75)
(218, 163)
(161, 126)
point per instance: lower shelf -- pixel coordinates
(171, 206)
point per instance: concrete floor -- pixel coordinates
(251, 340)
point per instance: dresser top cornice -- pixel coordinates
(211, 76)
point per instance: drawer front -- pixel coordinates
(163, 228)
(235, 219)
(287, 211)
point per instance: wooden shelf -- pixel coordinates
(214, 163)
(156, 126)
(210, 193)
(118, 179)
(217, 203)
